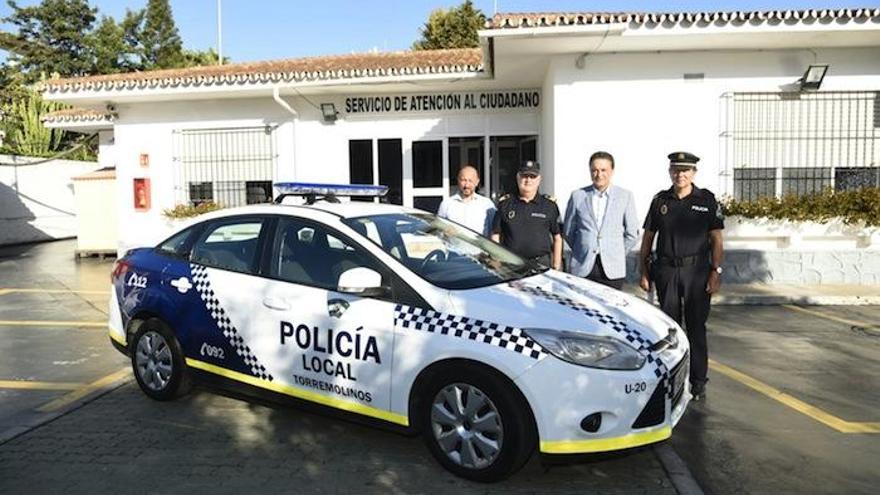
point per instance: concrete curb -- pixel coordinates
(678, 472)
(41, 419)
(780, 299)
(741, 296)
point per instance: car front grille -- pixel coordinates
(679, 377)
(654, 411)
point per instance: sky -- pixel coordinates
(276, 29)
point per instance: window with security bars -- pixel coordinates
(801, 143)
(230, 166)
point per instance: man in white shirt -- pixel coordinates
(466, 207)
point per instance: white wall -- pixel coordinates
(36, 201)
(639, 108)
(308, 149)
(636, 106)
(148, 128)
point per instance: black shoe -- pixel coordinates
(698, 391)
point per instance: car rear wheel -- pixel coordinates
(158, 361)
(477, 425)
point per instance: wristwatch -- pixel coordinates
(718, 270)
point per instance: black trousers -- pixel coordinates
(681, 291)
(597, 274)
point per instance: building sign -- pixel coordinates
(475, 101)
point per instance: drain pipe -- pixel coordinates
(276, 95)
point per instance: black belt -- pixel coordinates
(683, 260)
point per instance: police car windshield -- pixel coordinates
(443, 253)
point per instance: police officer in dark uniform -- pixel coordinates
(528, 223)
(686, 270)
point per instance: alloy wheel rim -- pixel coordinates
(153, 361)
(467, 425)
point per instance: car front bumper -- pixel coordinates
(636, 407)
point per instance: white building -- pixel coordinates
(556, 87)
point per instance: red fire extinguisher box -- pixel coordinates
(142, 194)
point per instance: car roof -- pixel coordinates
(359, 209)
(315, 211)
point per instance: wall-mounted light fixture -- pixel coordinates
(812, 78)
(328, 111)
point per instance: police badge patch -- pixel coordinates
(663, 209)
(336, 307)
(511, 214)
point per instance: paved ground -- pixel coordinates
(207, 441)
(742, 439)
(792, 408)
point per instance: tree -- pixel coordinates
(452, 28)
(109, 48)
(51, 37)
(198, 57)
(161, 47)
(58, 38)
(25, 134)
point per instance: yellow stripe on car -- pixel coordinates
(605, 444)
(300, 393)
(117, 338)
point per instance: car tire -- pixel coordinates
(158, 361)
(458, 426)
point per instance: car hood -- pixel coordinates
(559, 301)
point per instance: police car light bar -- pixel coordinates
(329, 192)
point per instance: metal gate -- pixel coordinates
(800, 143)
(229, 166)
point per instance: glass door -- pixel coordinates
(429, 182)
(507, 153)
(466, 151)
(385, 161)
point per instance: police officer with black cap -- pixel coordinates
(528, 222)
(687, 222)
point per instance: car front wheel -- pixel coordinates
(477, 427)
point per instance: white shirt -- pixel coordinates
(475, 214)
(600, 204)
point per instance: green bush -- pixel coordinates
(852, 207)
(187, 211)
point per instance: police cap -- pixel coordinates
(683, 159)
(530, 168)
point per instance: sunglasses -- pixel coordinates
(528, 176)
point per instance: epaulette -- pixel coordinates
(504, 198)
(551, 198)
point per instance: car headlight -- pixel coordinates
(588, 350)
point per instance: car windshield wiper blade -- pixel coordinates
(535, 268)
(531, 268)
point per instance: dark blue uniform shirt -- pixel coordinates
(527, 227)
(683, 225)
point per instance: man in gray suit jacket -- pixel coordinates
(601, 226)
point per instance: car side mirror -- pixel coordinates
(362, 281)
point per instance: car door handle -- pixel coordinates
(276, 303)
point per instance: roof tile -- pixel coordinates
(516, 20)
(350, 66)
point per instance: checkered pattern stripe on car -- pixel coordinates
(426, 320)
(630, 334)
(212, 304)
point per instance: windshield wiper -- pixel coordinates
(532, 268)
(536, 268)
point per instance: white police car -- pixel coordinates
(396, 315)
